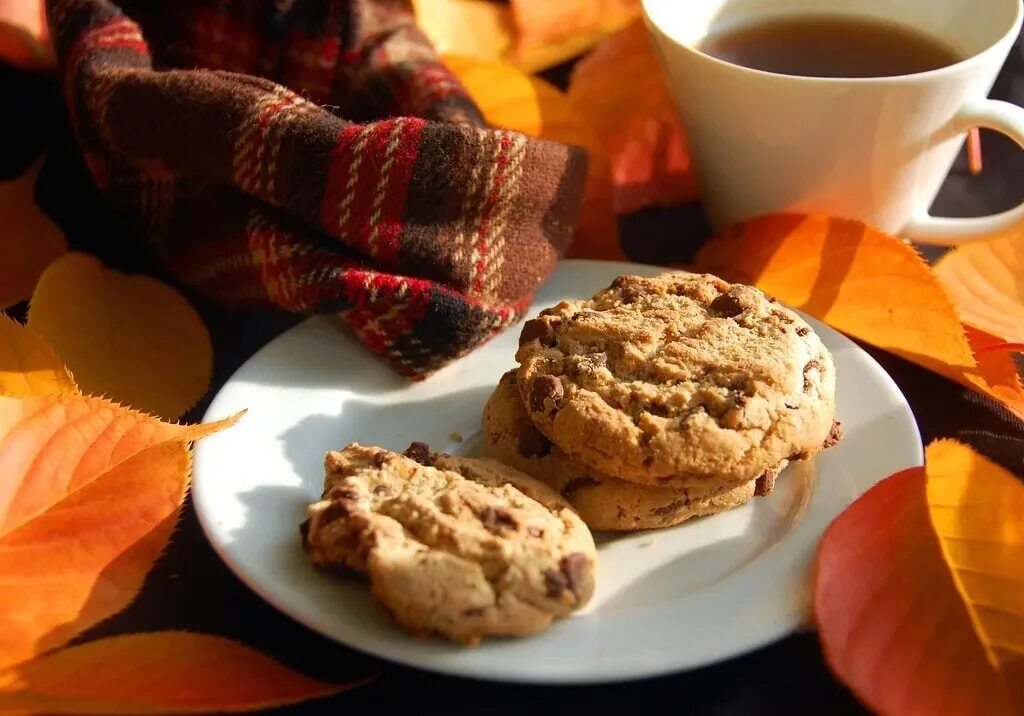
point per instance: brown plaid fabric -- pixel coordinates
(315, 156)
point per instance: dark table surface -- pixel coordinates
(191, 589)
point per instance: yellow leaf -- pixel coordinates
(895, 623)
(548, 33)
(157, 673)
(865, 283)
(511, 99)
(473, 28)
(128, 337)
(29, 241)
(28, 366)
(89, 495)
(986, 282)
(977, 511)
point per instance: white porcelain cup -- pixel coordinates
(875, 149)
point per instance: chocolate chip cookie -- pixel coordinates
(679, 380)
(461, 547)
(603, 502)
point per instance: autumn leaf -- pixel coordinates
(619, 87)
(471, 28)
(865, 283)
(985, 279)
(29, 241)
(90, 493)
(918, 589)
(28, 366)
(128, 337)
(156, 673)
(549, 33)
(24, 35)
(511, 99)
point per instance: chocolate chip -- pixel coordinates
(575, 566)
(783, 317)
(834, 435)
(802, 330)
(420, 452)
(380, 490)
(379, 458)
(772, 299)
(811, 365)
(576, 484)
(538, 329)
(304, 533)
(334, 511)
(535, 532)
(545, 388)
(532, 443)
(555, 582)
(766, 482)
(632, 294)
(497, 519)
(726, 306)
(669, 509)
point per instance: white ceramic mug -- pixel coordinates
(875, 149)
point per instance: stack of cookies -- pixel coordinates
(657, 400)
(661, 399)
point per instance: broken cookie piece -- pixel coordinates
(461, 547)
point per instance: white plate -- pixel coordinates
(667, 600)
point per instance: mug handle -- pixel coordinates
(1004, 117)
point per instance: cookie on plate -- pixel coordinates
(461, 547)
(678, 380)
(602, 501)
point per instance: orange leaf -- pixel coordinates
(985, 279)
(89, 496)
(24, 35)
(619, 87)
(549, 33)
(919, 580)
(129, 337)
(511, 99)
(157, 673)
(28, 366)
(29, 241)
(472, 28)
(863, 282)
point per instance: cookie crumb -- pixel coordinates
(456, 436)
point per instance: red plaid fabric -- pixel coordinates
(314, 155)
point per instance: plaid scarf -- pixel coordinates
(316, 157)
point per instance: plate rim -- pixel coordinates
(782, 627)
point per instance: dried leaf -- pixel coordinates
(977, 511)
(986, 282)
(549, 33)
(29, 241)
(472, 28)
(129, 337)
(28, 366)
(24, 35)
(865, 283)
(89, 496)
(910, 619)
(157, 673)
(511, 99)
(997, 374)
(619, 87)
